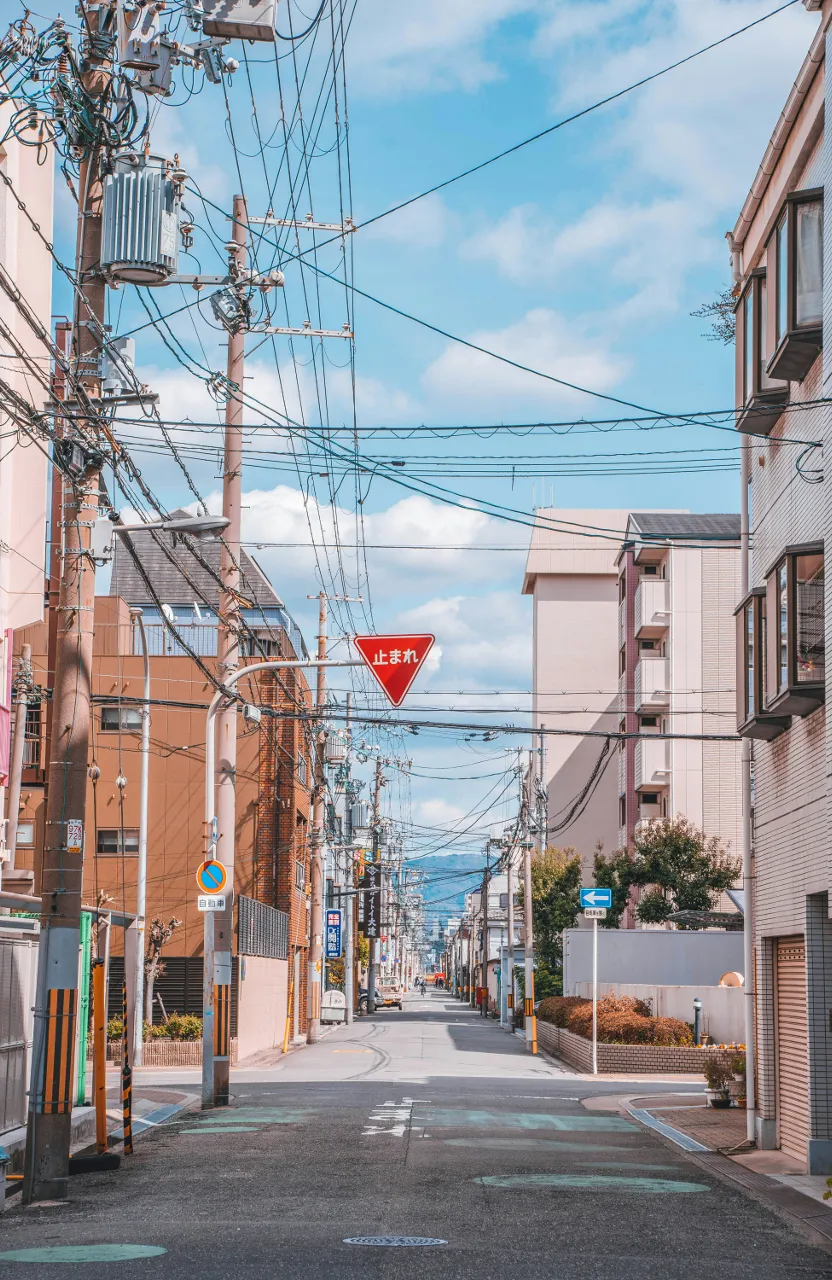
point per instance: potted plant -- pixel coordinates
(718, 1073)
(738, 1067)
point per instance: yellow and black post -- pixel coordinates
(126, 1074)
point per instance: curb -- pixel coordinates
(802, 1213)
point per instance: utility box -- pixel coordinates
(140, 242)
(240, 19)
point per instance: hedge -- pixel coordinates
(621, 1020)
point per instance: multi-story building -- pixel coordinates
(783, 365)
(25, 363)
(633, 633)
(274, 778)
(678, 577)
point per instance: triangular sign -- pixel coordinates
(394, 661)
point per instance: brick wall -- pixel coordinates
(619, 1059)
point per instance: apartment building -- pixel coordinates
(26, 364)
(633, 633)
(678, 576)
(780, 244)
(274, 778)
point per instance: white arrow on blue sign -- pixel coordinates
(596, 897)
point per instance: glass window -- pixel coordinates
(763, 654)
(300, 877)
(809, 263)
(810, 638)
(783, 627)
(109, 843)
(126, 718)
(782, 255)
(25, 833)
(750, 660)
(748, 343)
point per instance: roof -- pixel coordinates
(574, 541)
(682, 525)
(171, 585)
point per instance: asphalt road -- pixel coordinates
(429, 1123)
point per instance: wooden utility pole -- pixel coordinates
(56, 1000)
(316, 851)
(217, 999)
(372, 975)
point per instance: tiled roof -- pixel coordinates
(171, 585)
(677, 524)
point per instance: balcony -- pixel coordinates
(652, 684)
(652, 608)
(652, 769)
(647, 813)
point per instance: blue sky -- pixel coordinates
(582, 255)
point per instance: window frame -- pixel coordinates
(121, 850)
(786, 693)
(795, 349)
(759, 406)
(754, 721)
(122, 711)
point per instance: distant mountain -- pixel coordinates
(446, 880)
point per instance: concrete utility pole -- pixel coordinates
(348, 903)
(24, 686)
(484, 905)
(528, 927)
(56, 1000)
(372, 976)
(510, 910)
(220, 923)
(316, 852)
(141, 870)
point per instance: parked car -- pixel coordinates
(387, 997)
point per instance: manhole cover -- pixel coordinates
(393, 1240)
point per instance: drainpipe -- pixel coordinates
(747, 853)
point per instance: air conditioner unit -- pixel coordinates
(140, 243)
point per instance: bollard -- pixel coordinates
(697, 1020)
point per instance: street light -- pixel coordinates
(197, 527)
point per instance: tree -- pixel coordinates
(722, 316)
(158, 936)
(613, 872)
(680, 868)
(556, 883)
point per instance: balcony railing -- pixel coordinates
(652, 683)
(652, 768)
(652, 607)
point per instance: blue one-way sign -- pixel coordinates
(596, 897)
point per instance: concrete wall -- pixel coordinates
(262, 1000)
(650, 955)
(722, 1007)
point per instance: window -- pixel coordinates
(646, 644)
(25, 833)
(649, 722)
(303, 770)
(794, 636)
(649, 797)
(760, 397)
(114, 718)
(109, 843)
(810, 634)
(753, 718)
(300, 877)
(795, 261)
(650, 571)
(622, 811)
(622, 662)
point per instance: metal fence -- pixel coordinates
(18, 969)
(261, 930)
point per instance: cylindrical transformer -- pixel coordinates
(360, 815)
(140, 242)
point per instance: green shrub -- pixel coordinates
(182, 1026)
(115, 1029)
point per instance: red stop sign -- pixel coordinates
(394, 661)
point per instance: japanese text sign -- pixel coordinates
(394, 661)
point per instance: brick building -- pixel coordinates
(779, 246)
(274, 777)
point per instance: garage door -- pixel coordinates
(792, 1048)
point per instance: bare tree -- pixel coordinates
(722, 316)
(158, 936)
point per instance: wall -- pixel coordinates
(261, 1008)
(723, 1014)
(619, 1058)
(643, 955)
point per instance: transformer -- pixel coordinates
(360, 815)
(336, 748)
(140, 242)
(239, 19)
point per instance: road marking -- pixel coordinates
(223, 1128)
(84, 1253)
(351, 1051)
(588, 1182)
(681, 1139)
(401, 1113)
(452, 1119)
(524, 1144)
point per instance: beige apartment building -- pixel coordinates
(783, 368)
(633, 632)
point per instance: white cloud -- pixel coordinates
(423, 225)
(439, 813)
(542, 340)
(485, 639)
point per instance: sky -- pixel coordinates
(581, 255)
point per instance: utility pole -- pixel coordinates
(56, 999)
(24, 686)
(348, 903)
(373, 966)
(541, 796)
(529, 1018)
(484, 970)
(219, 923)
(316, 852)
(510, 909)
